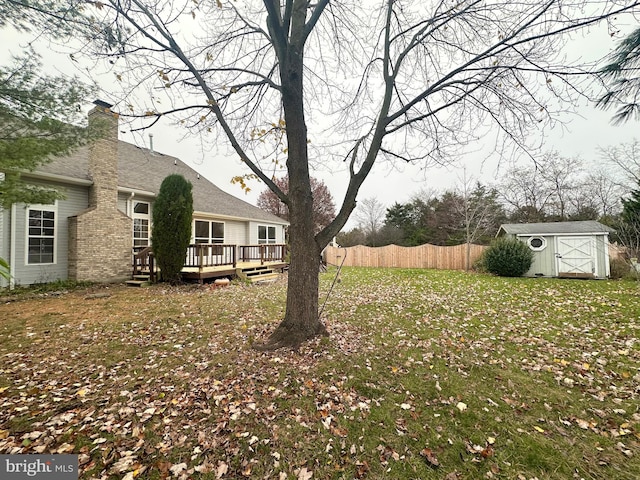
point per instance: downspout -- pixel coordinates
(12, 248)
(130, 204)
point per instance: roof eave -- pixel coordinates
(54, 177)
(242, 219)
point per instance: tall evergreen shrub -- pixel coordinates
(508, 257)
(172, 213)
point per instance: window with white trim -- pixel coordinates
(266, 234)
(206, 231)
(537, 243)
(41, 234)
(141, 221)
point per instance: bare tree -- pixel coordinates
(525, 193)
(358, 81)
(323, 207)
(552, 188)
(564, 177)
(625, 160)
(480, 211)
(603, 192)
(370, 217)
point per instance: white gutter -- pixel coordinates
(57, 178)
(135, 191)
(231, 217)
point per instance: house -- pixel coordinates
(110, 187)
(564, 249)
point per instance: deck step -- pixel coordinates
(257, 274)
(138, 283)
(267, 277)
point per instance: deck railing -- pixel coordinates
(272, 252)
(202, 255)
(144, 262)
(210, 255)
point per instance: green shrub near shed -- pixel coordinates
(507, 257)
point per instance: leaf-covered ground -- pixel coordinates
(426, 374)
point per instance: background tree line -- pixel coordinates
(551, 188)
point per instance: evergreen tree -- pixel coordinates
(631, 208)
(37, 112)
(172, 213)
(37, 117)
(624, 75)
(628, 228)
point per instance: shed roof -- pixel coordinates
(141, 169)
(555, 228)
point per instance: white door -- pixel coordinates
(575, 257)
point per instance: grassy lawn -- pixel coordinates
(426, 374)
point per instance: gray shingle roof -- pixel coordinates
(551, 228)
(141, 169)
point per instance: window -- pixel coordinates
(141, 224)
(537, 243)
(41, 232)
(206, 231)
(141, 207)
(140, 232)
(266, 234)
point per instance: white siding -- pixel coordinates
(235, 232)
(76, 200)
(5, 235)
(544, 261)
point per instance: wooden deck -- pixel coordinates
(207, 261)
(243, 269)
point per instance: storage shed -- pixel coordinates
(564, 249)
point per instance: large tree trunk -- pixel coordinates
(301, 320)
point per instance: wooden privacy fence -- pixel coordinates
(423, 256)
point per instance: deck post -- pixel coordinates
(152, 268)
(235, 256)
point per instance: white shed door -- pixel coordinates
(575, 257)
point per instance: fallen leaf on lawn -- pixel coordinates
(304, 474)
(123, 464)
(65, 448)
(428, 454)
(178, 468)
(583, 424)
(361, 469)
(461, 406)
(487, 452)
(222, 469)
(538, 429)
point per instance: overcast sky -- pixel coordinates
(579, 136)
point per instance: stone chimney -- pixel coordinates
(100, 237)
(103, 155)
